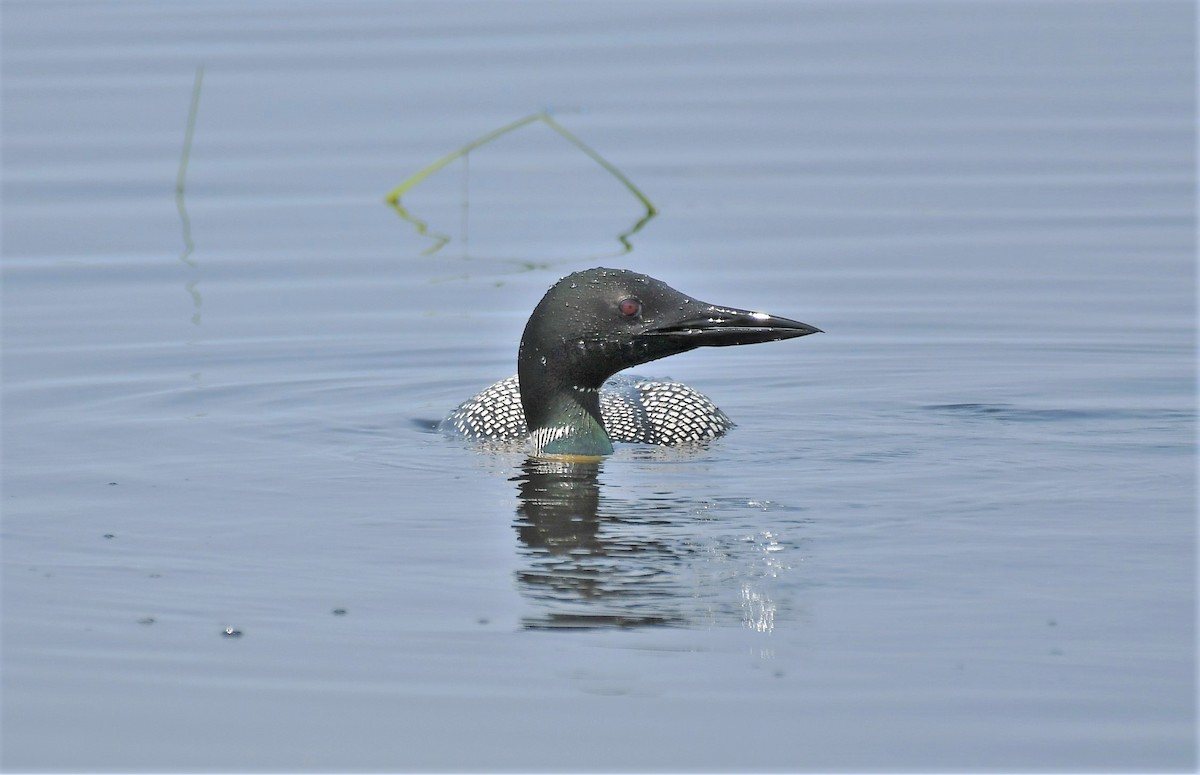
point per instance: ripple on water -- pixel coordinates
(1013, 413)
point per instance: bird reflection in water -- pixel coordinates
(593, 561)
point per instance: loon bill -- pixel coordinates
(588, 327)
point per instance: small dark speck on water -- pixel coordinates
(146, 620)
(231, 632)
(109, 535)
(339, 612)
(112, 484)
(483, 620)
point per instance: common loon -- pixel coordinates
(589, 326)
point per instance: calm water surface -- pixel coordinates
(956, 531)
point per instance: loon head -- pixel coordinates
(594, 323)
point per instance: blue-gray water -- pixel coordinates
(956, 531)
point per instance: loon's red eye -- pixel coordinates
(629, 307)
